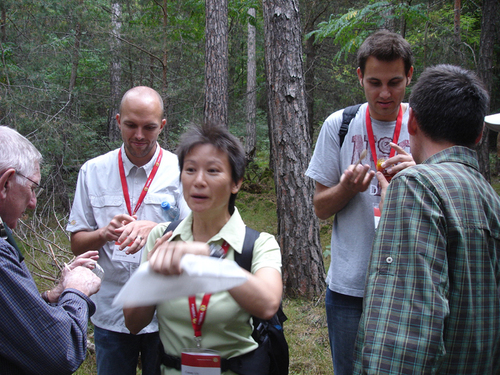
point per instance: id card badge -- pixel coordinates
(122, 256)
(200, 362)
(376, 214)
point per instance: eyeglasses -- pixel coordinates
(36, 188)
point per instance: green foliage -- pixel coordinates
(349, 30)
(39, 51)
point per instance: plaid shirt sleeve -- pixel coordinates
(35, 337)
(406, 304)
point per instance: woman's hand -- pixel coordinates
(165, 258)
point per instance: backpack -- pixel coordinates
(272, 356)
(347, 116)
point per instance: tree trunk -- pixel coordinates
(314, 12)
(298, 230)
(251, 105)
(74, 67)
(485, 71)
(3, 22)
(216, 63)
(402, 23)
(459, 53)
(164, 83)
(456, 21)
(310, 79)
(115, 73)
(389, 20)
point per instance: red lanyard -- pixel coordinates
(371, 138)
(144, 189)
(198, 316)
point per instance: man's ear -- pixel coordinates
(360, 76)
(409, 76)
(478, 139)
(5, 180)
(118, 121)
(412, 123)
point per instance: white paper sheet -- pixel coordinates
(201, 274)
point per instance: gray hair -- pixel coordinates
(17, 152)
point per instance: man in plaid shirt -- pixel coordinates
(432, 297)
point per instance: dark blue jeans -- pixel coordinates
(342, 314)
(118, 353)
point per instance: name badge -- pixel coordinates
(122, 256)
(376, 215)
(200, 362)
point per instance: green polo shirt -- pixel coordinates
(227, 328)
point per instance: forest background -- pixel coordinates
(65, 65)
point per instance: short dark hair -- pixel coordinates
(219, 137)
(385, 46)
(449, 104)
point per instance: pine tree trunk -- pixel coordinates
(216, 63)
(164, 138)
(485, 71)
(115, 73)
(251, 105)
(298, 230)
(310, 80)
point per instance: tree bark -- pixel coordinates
(3, 22)
(298, 229)
(489, 25)
(216, 63)
(310, 79)
(74, 67)
(456, 21)
(251, 104)
(115, 71)
(164, 83)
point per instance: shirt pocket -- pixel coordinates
(105, 201)
(152, 206)
(156, 198)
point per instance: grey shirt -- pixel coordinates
(353, 226)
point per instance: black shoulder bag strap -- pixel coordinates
(171, 226)
(347, 116)
(244, 259)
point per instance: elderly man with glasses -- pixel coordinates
(39, 333)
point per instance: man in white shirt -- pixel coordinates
(117, 203)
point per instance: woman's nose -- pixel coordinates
(200, 178)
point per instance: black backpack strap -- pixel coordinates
(347, 116)
(172, 226)
(244, 259)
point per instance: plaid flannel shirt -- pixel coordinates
(432, 299)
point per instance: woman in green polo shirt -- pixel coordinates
(212, 164)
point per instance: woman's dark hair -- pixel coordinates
(219, 137)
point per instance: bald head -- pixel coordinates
(140, 121)
(146, 96)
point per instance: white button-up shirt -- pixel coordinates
(99, 197)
